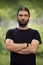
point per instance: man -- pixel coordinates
(23, 42)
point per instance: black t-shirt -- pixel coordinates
(23, 36)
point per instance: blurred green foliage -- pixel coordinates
(8, 8)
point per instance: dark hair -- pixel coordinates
(23, 9)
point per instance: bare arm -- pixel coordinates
(11, 46)
(32, 48)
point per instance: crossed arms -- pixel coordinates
(22, 48)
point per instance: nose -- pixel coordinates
(23, 17)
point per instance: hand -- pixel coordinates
(9, 44)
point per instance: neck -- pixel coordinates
(23, 28)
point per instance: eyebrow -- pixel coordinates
(22, 14)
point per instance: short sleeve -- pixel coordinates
(36, 35)
(8, 35)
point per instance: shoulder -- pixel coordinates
(34, 30)
(11, 30)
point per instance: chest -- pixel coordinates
(22, 37)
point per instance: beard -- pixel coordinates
(23, 23)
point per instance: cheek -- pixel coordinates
(19, 18)
(26, 18)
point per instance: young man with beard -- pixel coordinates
(23, 42)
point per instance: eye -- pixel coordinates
(25, 15)
(20, 15)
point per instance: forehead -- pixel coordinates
(23, 12)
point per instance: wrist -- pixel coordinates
(27, 44)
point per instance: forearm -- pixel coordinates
(25, 51)
(22, 47)
(18, 47)
(29, 50)
(32, 48)
(11, 46)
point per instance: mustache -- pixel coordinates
(22, 19)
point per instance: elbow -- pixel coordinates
(34, 51)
